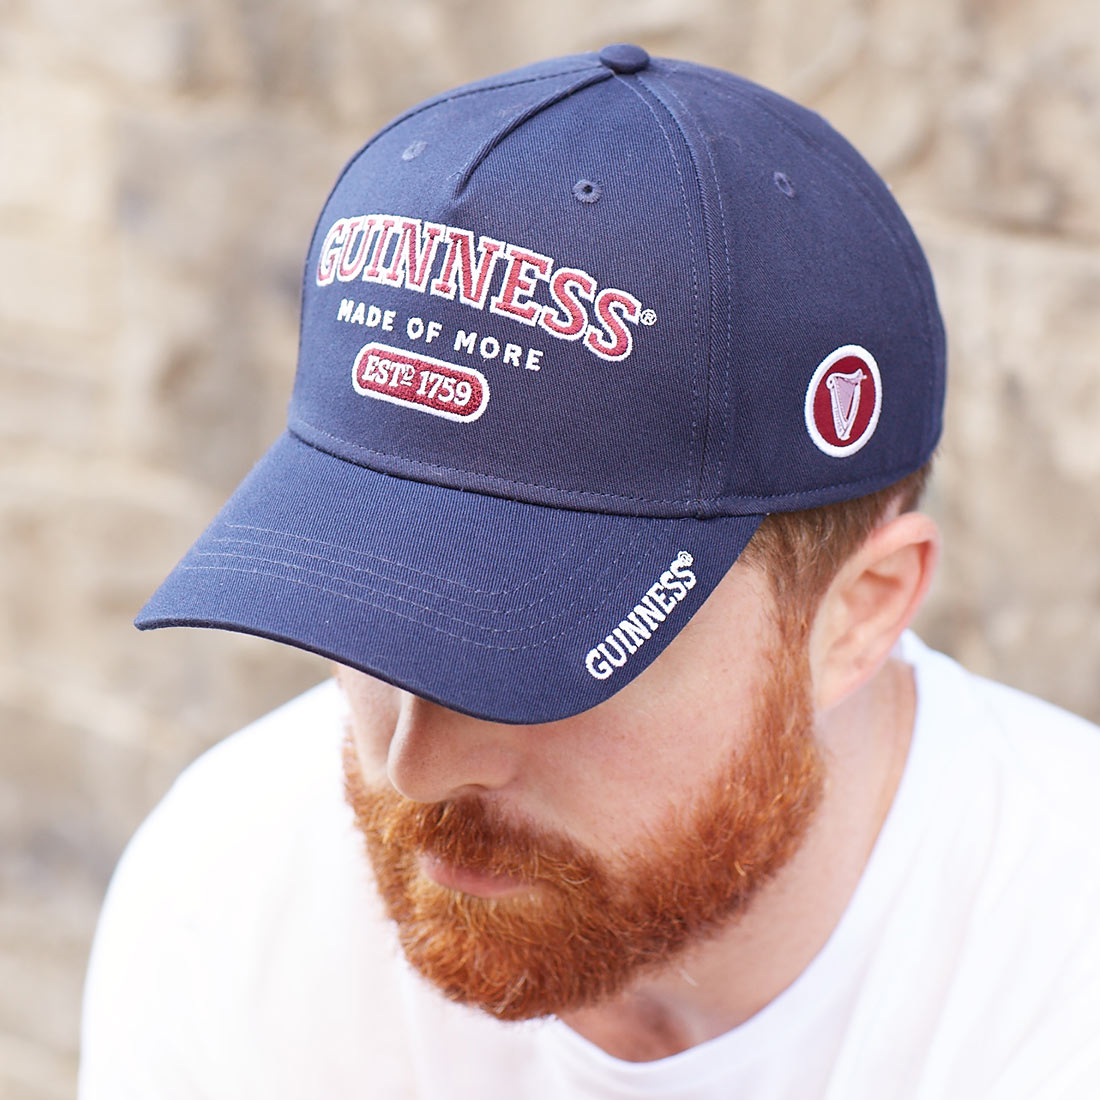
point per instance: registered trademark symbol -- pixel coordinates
(648, 317)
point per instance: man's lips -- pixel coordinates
(467, 881)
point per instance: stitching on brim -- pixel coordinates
(608, 566)
(403, 565)
(413, 618)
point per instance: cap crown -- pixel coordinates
(611, 291)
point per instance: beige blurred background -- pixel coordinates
(149, 149)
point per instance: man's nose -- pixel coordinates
(437, 754)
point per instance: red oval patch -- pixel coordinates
(420, 382)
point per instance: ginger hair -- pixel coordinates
(801, 552)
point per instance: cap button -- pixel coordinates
(624, 58)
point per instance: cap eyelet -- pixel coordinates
(414, 150)
(784, 184)
(586, 191)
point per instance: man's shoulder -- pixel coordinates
(985, 892)
(242, 921)
(1043, 751)
(1006, 786)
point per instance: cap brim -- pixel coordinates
(488, 606)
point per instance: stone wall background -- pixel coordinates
(146, 146)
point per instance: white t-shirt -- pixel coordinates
(242, 954)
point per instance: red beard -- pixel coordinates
(589, 926)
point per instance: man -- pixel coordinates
(619, 379)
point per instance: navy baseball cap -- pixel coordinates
(568, 334)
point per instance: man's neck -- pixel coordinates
(717, 985)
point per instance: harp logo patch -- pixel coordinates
(843, 401)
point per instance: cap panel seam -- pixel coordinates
(435, 101)
(853, 178)
(760, 97)
(849, 176)
(530, 112)
(691, 231)
(714, 290)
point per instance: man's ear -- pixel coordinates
(871, 600)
